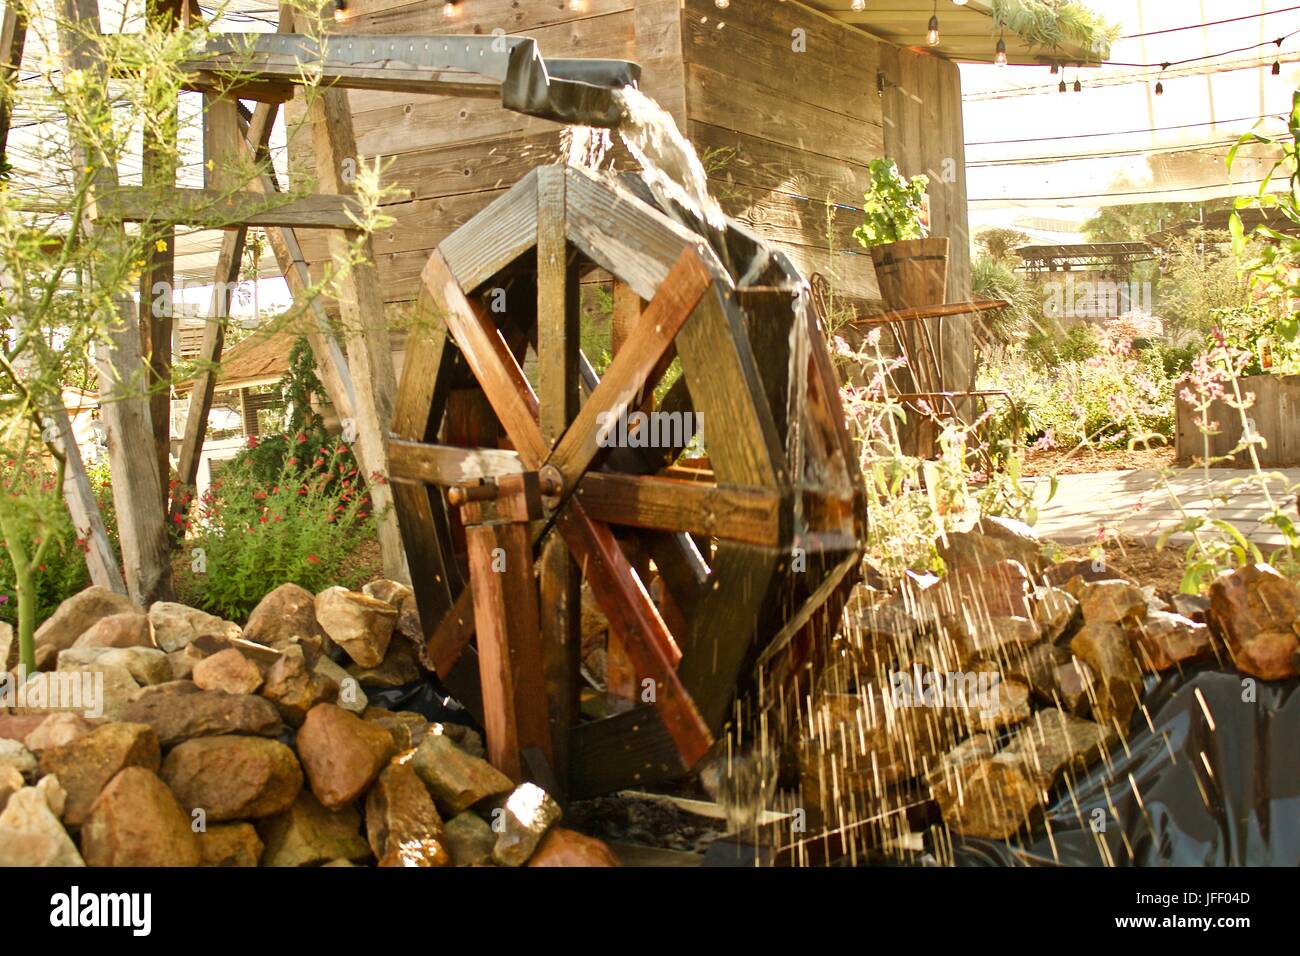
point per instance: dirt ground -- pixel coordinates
(1144, 564)
(1079, 461)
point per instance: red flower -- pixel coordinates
(301, 438)
(252, 441)
(313, 559)
(293, 461)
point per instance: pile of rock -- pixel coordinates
(218, 745)
(984, 688)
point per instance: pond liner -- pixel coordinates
(1216, 790)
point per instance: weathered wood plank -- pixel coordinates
(446, 466)
(218, 209)
(670, 504)
(660, 51)
(496, 236)
(631, 747)
(13, 38)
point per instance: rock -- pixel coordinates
(1085, 569)
(294, 689)
(1010, 706)
(128, 629)
(136, 821)
(971, 750)
(402, 825)
(1074, 686)
(84, 766)
(350, 695)
(521, 823)
(466, 738)
(409, 624)
(361, 625)
(18, 726)
(401, 666)
(175, 625)
(974, 593)
(57, 730)
(1036, 667)
(14, 754)
(30, 831)
(228, 671)
(78, 614)
(341, 753)
(288, 611)
(146, 665)
(469, 839)
(1111, 602)
(233, 778)
(1164, 640)
(98, 689)
(991, 540)
(1257, 613)
(1054, 741)
(1117, 680)
(456, 780)
(390, 592)
(406, 728)
(180, 716)
(230, 844)
(995, 637)
(308, 834)
(1055, 609)
(561, 847)
(988, 797)
(1194, 607)
(11, 781)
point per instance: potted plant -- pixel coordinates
(911, 268)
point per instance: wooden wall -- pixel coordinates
(785, 121)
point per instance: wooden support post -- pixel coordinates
(558, 382)
(515, 716)
(125, 411)
(361, 303)
(13, 37)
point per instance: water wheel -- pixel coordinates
(701, 561)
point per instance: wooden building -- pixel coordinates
(785, 102)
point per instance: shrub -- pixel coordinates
(250, 536)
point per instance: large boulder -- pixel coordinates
(1117, 679)
(469, 839)
(521, 822)
(1110, 602)
(128, 629)
(989, 541)
(146, 665)
(136, 821)
(287, 612)
(230, 844)
(1164, 640)
(30, 831)
(361, 625)
(562, 847)
(175, 625)
(186, 712)
(57, 730)
(350, 695)
(402, 825)
(1257, 612)
(308, 834)
(96, 689)
(295, 689)
(400, 666)
(341, 753)
(228, 671)
(85, 765)
(456, 780)
(233, 778)
(78, 614)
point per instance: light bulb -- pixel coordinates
(577, 6)
(1160, 88)
(339, 7)
(933, 36)
(722, 4)
(1061, 88)
(1277, 67)
(960, 3)
(859, 5)
(1078, 87)
(1001, 58)
(449, 9)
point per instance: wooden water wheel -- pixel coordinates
(700, 564)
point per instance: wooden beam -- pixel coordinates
(124, 406)
(747, 515)
(361, 305)
(446, 465)
(13, 37)
(220, 209)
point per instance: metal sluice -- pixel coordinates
(569, 91)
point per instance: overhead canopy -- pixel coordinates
(967, 34)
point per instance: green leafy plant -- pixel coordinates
(248, 537)
(1052, 24)
(893, 207)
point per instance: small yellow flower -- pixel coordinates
(161, 245)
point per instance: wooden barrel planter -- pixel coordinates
(1276, 417)
(912, 273)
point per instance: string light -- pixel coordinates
(339, 7)
(960, 3)
(578, 6)
(1001, 56)
(932, 37)
(1277, 64)
(722, 4)
(450, 10)
(1078, 86)
(1160, 83)
(859, 5)
(1061, 88)
(1056, 68)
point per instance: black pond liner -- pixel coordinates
(1237, 805)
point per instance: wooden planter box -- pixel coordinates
(1276, 414)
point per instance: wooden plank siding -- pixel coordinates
(785, 122)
